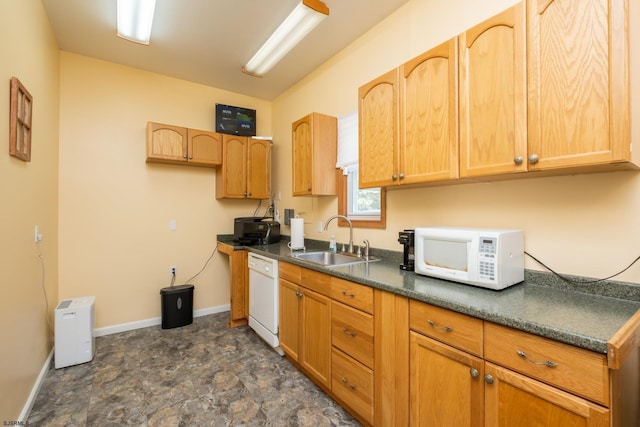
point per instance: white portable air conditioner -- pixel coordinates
(74, 342)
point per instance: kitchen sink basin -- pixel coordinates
(332, 259)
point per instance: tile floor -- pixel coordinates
(203, 374)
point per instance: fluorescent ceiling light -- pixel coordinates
(298, 24)
(134, 20)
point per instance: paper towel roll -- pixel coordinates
(297, 233)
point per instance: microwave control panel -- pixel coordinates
(487, 258)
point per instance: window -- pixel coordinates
(365, 208)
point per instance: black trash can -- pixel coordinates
(177, 306)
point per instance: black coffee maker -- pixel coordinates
(406, 238)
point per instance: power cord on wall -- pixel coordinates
(44, 290)
(579, 282)
(173, 275)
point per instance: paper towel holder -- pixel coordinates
(303, 248)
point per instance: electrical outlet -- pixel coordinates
(172, 270)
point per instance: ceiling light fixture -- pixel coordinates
(134, 20)
(293, 29)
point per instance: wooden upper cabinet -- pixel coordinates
(314, 140)
(231, 178)
(578, 83)
(493, 96)
(246, 168)
(378, 117)
(258, 169)
(178, 145)
(429, 116)
(204, 148)
(166, 142)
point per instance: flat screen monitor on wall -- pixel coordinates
(235, 120)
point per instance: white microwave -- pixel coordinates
(489, 258)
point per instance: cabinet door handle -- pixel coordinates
(518, 160)
(401, 176)
(474, 373)
(433, 325)
(547, 363)
(299, 294)
(346, 382)
(488, 379)
(349, 332)
(394, 177)
(344, 293)
(533, 159)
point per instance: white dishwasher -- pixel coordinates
(263, 299)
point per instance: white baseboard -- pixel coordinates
(130, 326)
(26, 410)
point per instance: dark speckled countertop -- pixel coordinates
(586, 316)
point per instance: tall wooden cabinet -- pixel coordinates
(314, 141)
(578, 83)
(179, 145)
(493, 95)
(246, 168)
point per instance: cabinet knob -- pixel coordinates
(488, 379)
(518, 160)
(401, 176)
(190, 157)
(185, 156)
(309, 189)
(533, 159)
(394, 177)
(474, 373)
(299, 294)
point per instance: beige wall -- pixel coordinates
(585, 225)
(115, 209)
(29, 197)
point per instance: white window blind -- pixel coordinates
(347, 141)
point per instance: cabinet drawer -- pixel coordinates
(319, 282)
(290, 272)
(576, 370)
(458, 330)
(352, 332)
(353, 294)
(352, 382)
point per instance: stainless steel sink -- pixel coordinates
(332, 259)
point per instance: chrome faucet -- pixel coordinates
(326, 225)
(366, 249)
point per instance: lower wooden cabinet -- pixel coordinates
(331, 341)
(446, 386)
(513, 399)
(239, 286)
(404, 362)
(305, 329)
(352, 382)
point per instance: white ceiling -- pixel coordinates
(209, 41)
